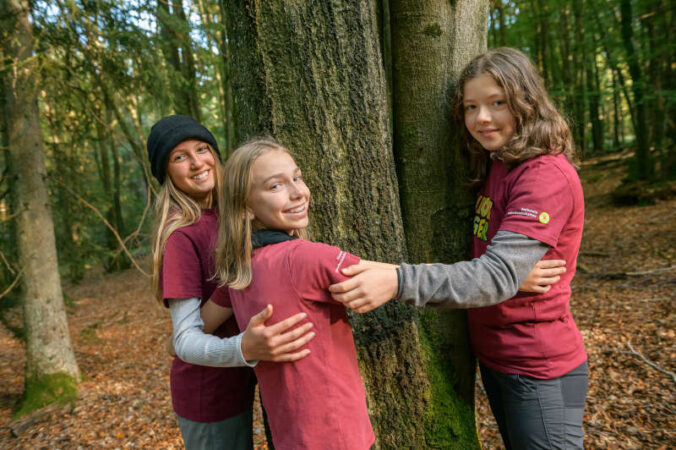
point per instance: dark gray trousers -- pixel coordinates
(538, 414)
(234, 433)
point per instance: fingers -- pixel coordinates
(287, 323)
(295, 345)
(261, 317)
(551, 263)
(293, 335)
(290, 357)
(345, 286)
(356, 269)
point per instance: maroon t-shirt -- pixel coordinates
(319, 401)
(199, 393)
(531, 334)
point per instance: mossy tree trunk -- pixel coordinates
(432, 41)
(311, 74)
(49, 354)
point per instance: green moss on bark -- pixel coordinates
(449, 420)
(57, 388)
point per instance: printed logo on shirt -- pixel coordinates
(544, 218)
(482, 215)
(340, 258)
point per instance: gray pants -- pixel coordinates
(538, 414)
(234, 433)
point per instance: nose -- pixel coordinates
(483, 115)
(195, 161)
(295, 191)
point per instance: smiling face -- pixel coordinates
(278, 197)
(191, 168)
(487, 115)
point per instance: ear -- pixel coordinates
(248, 215)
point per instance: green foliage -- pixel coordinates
(58, 388)
(615, 83)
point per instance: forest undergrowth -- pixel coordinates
(623, 302)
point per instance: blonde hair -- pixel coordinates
(233, 250)
(540, 128)
(175, 209)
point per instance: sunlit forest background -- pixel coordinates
(110, 69)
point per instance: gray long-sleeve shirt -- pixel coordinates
(194, 346)
(490, 279)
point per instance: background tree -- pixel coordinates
(51, 369)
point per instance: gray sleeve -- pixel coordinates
(193, 346)
(488, 280)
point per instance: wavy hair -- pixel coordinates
(540, 128)
(175, 209)
(233, 250)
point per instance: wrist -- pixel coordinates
(245, 350)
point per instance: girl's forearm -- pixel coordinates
(488, 280)
(193, 346)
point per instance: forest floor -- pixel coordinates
(623, 302)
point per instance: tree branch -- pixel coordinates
(12, 285)
(110, 227)
(650, 363)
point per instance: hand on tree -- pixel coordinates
(545, 273)
(276, 343)
(368, 288)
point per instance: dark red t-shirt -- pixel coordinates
(319, 401)
(199, 393)
(531, 334)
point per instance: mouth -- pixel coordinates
(296, 210)
(200, 176)
(487, 132)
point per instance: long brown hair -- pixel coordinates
(233, 250)
(540, 128)
(175, 209)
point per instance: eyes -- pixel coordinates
(277, 185)
(496, 104)
(182, 155)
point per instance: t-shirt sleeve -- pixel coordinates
(181, 268)
(315, 266)
(540, 203)
(221, 297)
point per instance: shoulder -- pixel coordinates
(200, 234)
(317, 254)
(546, 169)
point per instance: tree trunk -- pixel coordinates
(432, 41)
(49, 353)
(174, 34)
(312, 75)
(643, 165)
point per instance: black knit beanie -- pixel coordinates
(167, 133)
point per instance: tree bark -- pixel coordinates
(319, 86)
(432, 41)
(48, 346)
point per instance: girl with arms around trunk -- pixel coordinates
(318, 402)
(214, 403)
(529, 206)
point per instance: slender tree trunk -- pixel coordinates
(432, 41)
(580, 97)
(314, 78)
(643, 160)
(176, 46)
(594, 89)
(48, 347)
